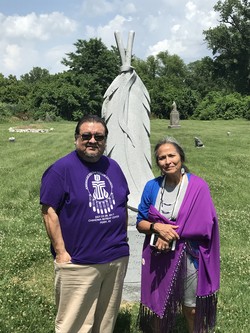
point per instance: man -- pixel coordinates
(84, 207)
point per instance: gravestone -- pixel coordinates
(198, 143)
(174, 117)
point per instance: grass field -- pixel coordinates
(26, 274)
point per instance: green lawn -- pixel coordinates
(26, 274)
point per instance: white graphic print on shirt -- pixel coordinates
(100, 189)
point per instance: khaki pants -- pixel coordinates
(88, 297)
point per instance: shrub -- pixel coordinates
(247, 108)
(216, 106)
(47, 112)
(5, 112)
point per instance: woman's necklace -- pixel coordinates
(165, 203)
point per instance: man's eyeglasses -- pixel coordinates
(88, 136)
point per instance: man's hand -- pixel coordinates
(63, 258)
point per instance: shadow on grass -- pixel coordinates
(126, 323)
(123, 322)
(180, 325)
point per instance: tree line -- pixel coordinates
(214, 87)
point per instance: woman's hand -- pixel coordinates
(162, 245)
(166, 231)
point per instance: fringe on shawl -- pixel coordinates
(205, 318)
(149, 322)
(205, 313)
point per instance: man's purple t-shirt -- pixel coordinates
(90, 200)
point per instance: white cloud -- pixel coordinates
(106, 32)
(34, 26)
(191, 10)
(54, 57)
(172, 46)
(129, 8)
(16, 58)
(24, 38)
(39, 34)
(12, 53)
(97, 7)
(185, 33)
(204, 18)
(101, 8)
(151, 22)
(176, 28)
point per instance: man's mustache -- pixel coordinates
(92, 145)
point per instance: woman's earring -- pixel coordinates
(182, 171)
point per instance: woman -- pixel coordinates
(178, 208)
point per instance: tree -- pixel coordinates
(12, 90)
(147, 70)
(230, 43)
(165, 77)
(202, 78)
(218, 106)
(35, 75)
(172, 67)
(65, 95)
(93, 58)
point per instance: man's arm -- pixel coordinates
(53, 228)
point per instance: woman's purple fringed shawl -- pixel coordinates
(161, 273)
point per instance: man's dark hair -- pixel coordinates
(90, 118)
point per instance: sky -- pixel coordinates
(40, 33)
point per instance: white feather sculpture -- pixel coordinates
(126, 110)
